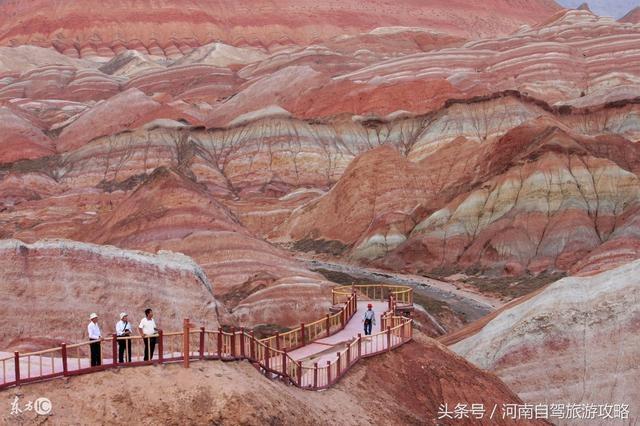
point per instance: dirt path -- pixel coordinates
(472, 305)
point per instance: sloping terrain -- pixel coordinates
(441, 154)
(574, 341)
(426, 373)
(168, 145)
(49, 288)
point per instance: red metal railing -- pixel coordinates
(323, 327)
(270, 355)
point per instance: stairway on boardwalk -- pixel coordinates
(325, 349)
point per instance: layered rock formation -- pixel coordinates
(512, 200)
(633, 17)
(171, 28)
(178, 148)
(575, 341)
(260, 133)
(168, 211)
(60, 282)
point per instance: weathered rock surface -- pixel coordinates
(575, 341)
(171, 28)
(512, 201)
(402, 142)
(168, 211)
(21, 139)
(633, 17)
(60, 282)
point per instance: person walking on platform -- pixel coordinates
(123, 331)
(148, 331)
(94, 335)
(368, 319)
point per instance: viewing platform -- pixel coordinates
(312, 356)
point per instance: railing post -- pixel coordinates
(242, 351)
(266, 357)
(65, 367)
(160, 346)
(299, 363)
(220, 342)
(381, 293)
(233, 342)
(315, 375)
(348, 355)
(278, 340)
(252, 342)
(338, 366)
(328, 325)
(114, 348)
(328, 373)
(342, 312)
(185, 343)
(201, 344)
(359, 345)
(284, 364)
(388, 339)
(302, 334)
(16, 361)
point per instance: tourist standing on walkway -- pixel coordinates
(94, 335)
(368, 319)
(123, 331)
(148, 331)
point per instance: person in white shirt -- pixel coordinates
(94, 335)
(148, 331)
(123, 329)
(369, 319)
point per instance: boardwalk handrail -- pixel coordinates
(402, 294)
(270, 354)
(323, 327)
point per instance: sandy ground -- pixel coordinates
(403, 387)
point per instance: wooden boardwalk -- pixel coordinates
(313, 356)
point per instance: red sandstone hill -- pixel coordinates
(173, 28)
(575, 340)
(168, 211)
(632, 17)
(64, 281)
(347, 127)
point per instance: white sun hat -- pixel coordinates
(93, 315)
(123, 314)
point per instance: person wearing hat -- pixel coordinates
(123, 329)
(368, 319)
(94, 335)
